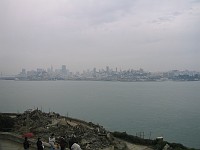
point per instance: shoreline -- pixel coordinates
(78, 126)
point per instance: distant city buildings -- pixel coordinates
(107, 74)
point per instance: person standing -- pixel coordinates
(72, 140)
(52, 141)
(26, 144)
(63, 143)
(75, 146)
(39, 144)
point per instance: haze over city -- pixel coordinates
(153, 35)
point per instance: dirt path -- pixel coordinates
(137, 147)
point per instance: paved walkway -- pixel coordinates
(10, 145)
(137, 147)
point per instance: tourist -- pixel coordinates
(75, 146)
(63, 143)
(52, 141)
(26, 144)
(57, 147)
(39, 144)
(71, 141)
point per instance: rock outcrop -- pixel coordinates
(89, 135)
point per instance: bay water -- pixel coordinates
(168, 109)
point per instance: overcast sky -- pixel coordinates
(156, 35)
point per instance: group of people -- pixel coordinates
(26, 144)
(61, 145)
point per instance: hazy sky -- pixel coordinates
(156, 35)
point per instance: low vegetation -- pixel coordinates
(155, 144)
(6, 123)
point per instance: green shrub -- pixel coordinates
(133, 139)
(157, 145)
(6, 123)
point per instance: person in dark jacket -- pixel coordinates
(63, 143)
(39, 144)
(26, 144)
(72, 140)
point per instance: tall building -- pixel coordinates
(23, 71)
(40, 70)
(22, 74)
(64, 69)
(94, 70)
(51, 68)
(107, 69)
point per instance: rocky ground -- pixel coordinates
(90, 136)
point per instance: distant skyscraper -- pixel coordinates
(107, 69)
(64, 69)
(40, 70)
(51, 68)
(22, 74)
(24, 71)
(94, 70)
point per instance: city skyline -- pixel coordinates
(104, 68)
(103, 74)
(153, 35)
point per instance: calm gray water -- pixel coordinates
(168, 109)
